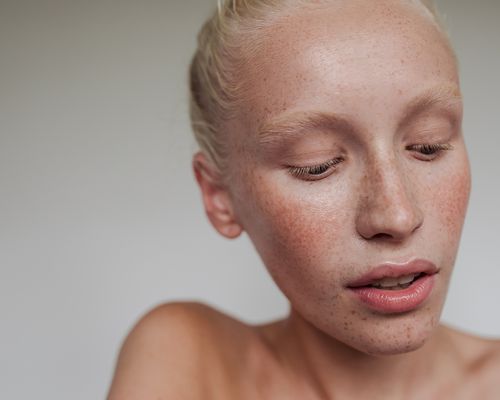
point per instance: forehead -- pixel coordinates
(338, 51)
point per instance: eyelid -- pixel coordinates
(429, 151)
(308, 172)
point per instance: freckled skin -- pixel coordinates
(384, 201)
(314, 237)
(382, 204)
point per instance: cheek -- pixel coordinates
(451, 201)
(446, 202)
(291, 221)
(299, 229)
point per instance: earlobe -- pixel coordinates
(216, 199)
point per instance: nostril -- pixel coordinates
(394, 221)
(382, 236)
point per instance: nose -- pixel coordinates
(387, 210)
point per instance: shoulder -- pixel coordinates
(483, 373)
(479, 356)
(489, 361)
(171, 347)
(472, 346)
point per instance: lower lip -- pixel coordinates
(396, 301)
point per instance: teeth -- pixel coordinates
(406, 279)
(387, 282)
(392, 282)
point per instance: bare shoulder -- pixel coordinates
(491, 360)
(483, 374)
(171, 347)
(480, 358)
(473, 348)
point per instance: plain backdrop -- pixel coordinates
(100, 218)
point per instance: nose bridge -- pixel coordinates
(388, 180)
(388, 207)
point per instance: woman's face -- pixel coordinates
(347, 154)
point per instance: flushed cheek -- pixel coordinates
(302, 235)
(451, 201)
(445, 200)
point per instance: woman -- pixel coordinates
(330, 132)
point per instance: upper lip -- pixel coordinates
(395, 270)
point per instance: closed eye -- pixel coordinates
(427, 151)
(315, 172)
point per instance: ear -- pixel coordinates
(216, 199)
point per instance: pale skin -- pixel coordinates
(328, 176)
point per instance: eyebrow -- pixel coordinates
(289, 125)
(446, 97)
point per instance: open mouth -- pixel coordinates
(390, 276)
(398, 283)
(396, 288)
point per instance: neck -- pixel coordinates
(335, 370)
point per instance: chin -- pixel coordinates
(391, 348)
(396, 334)
(381, 334)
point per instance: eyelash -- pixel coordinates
(430, 151)
(314, 172)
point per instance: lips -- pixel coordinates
(392, 270)
(395, 288)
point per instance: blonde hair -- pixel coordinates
(214, 86)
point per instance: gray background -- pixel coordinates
(100, 218)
